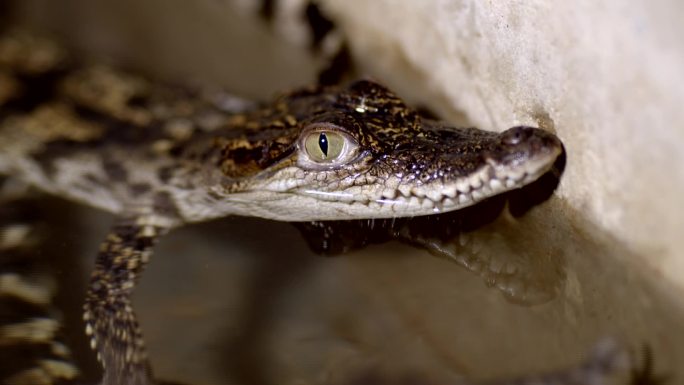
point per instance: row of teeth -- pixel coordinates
(481, 185)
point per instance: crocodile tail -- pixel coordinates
(31, 349)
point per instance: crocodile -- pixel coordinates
(33, 350)
(162, 156)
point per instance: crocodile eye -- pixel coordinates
(325, 146)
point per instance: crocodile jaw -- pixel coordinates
(291, 199)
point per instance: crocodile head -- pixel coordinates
(361, 152)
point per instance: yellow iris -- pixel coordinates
(324, 146)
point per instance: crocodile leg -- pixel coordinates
(110, 320)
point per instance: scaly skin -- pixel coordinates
(160, 157)
(31, 349)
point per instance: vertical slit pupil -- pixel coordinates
(323, 143)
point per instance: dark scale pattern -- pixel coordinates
(32, 351)
(109, 316)
(394, 139)
(183, 142)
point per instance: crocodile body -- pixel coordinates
(30, 326)
(135, 148)
(163, 156)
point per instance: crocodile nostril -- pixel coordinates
(515, 135)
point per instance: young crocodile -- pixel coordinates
(160, 157)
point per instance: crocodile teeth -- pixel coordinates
(496, 185)
(438, 207)
(418, 192)
(450, 191)
(478, 195)
(434, 195)
(463, 186)
(487, 174)
(462, 192)
(517, 176)
(389, 194)
(427, 204)
(404, 190)
(414, 201)
(475, 181)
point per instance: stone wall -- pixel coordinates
(606, 75)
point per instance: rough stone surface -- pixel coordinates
(607, 75)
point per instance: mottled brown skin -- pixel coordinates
(395, 139)
(118, 338)
(32, 350)
(160, 156)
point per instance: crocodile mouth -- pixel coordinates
(406, 192)
(399, 195)
(400, 199)
(461, 193)
(339, 161)
(489, 180)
